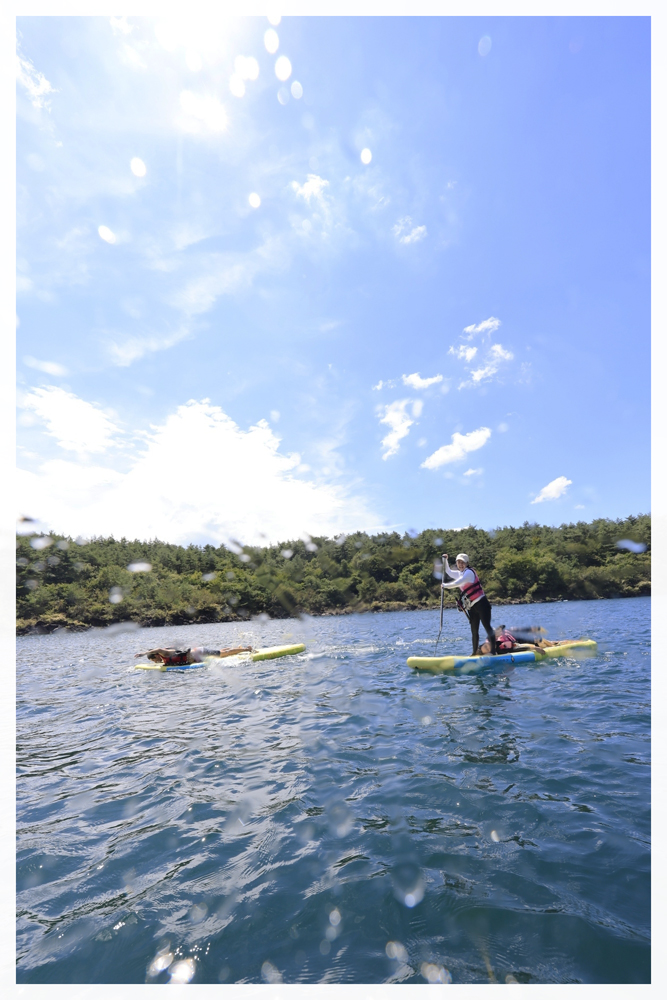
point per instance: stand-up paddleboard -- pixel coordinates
(273, 651)
(477, 664)
(270, 653)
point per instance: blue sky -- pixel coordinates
(405, 286)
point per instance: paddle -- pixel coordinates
(442, 604)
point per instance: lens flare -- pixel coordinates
(271, 41)
(254, 200)
(246, 67)
(283, 68)
(297, 90)
(366, 156)
(106, 234)
(138, 167)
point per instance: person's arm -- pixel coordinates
(156, 652)
(454, 573)
(459, 578)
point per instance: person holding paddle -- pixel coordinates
(474, 601)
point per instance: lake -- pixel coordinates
(334, 816)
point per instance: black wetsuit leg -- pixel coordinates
(481, 612)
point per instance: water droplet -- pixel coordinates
(182, 972)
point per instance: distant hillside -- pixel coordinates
(62, 583)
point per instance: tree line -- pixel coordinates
(77, 584)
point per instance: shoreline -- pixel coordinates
(46, 627)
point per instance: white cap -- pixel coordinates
(464, 557)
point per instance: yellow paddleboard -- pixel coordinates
(269, 653)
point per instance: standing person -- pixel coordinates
(473, 598)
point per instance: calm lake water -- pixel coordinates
(336, 817)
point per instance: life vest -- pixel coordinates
(177, 658)
(471, 591)
(505, 640)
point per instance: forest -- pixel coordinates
(76, 584)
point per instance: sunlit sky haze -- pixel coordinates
(316, 275)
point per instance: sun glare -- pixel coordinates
(254, 199)
(366, 156)
(138, 167)
(106, 234)
(236, 85)
(204, 109)
(193, 60)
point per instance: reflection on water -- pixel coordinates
(334, 816)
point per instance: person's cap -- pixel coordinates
(464, 557)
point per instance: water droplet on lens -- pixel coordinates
(162, 961)
(340, 818)
(408, 883)
(182, 972)
(394, 949)
(433, 973)
(270, 974)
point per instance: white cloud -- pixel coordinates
(75, 424)
(49, 367)
(473, 472)
(196, 447)
(132, 349)
(458, 449)
(120, 25)
(314, 188)
(463, 353)
(489, 325)
(496, 355)
(417, 408)
(553, 490)
(394, 416)
(130, 56)
(406, 233)
(36, 84)
(416, 382)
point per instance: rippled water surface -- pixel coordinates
(335, 816)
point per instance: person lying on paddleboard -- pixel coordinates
(474, 600)
(507, 643)
(196, 654)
